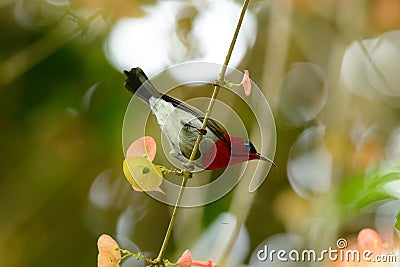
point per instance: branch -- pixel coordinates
(187, 173)
(221, 80)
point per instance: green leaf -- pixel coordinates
(397, 224)
(366, 189)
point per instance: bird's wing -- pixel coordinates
(215, 127)
(179, 104)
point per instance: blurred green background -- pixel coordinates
(329, 69)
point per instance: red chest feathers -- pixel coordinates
(223, 154)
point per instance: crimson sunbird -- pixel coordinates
(181, 124)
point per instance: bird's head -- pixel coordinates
(244, 150)
(235, 151)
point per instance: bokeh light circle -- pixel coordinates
(137, 116)
(301, 100)
(173, 32)
(309, 165)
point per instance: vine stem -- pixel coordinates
(221, 80)
(187, 174)
(160, 257)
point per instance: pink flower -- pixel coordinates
(109, 252)
(204, 263)
(186, 261)
(143, 147)
(369, 239)
(246, 82)
(106, 259)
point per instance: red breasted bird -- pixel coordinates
(181, 124)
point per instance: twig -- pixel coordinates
(187, 173)
(221, 79)
(160, 257)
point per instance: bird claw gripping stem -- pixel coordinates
(188, 166)
(199, 130)
(185, 163)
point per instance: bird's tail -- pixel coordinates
(138, 84)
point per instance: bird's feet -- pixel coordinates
(188, 166)
(185, 163)
(201, 131)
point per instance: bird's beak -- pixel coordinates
(266, 159)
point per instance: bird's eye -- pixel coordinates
(250, 147)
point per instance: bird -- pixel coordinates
(181, 124)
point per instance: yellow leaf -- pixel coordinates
(141, 174)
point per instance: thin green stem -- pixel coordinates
(187, 173)
(235, 35)
(128, 253)
(221, 79)
(204, 125)
(165, 170)
(160, 257)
